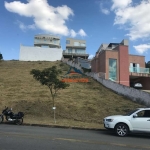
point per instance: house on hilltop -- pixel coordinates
(113, 62)
(46, 48)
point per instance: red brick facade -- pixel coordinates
(100, 63)
(123, 65)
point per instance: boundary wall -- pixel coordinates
(135, 95)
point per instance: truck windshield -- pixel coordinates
(131, 112)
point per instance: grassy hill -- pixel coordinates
(81, 104)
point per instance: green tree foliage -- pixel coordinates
(148, 64)
(50, 78)
(1, 56)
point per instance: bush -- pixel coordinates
(1, 56)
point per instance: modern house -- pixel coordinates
(113, 62)
(75, 48)
(84, 63)
(46, 48)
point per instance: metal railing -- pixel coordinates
(139, 70)
(47, 42)
(67, 53)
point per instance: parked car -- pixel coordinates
(137, 120)
(136, 85)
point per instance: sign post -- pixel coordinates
(54, 114)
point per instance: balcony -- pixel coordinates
(46, 42)
(82, 55)
(138, 71)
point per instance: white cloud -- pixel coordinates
(46, 17)
(135, 18)
(24, 27)
(102, 9)
(105, 11)
(73, 33)
(91, 56)
(81, 32)
(142, 48)
(120, 3)
(114, 38)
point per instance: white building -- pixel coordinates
(46, 48)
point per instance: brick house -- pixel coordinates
(113, 62)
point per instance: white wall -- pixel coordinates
(39, 54)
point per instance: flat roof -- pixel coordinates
(137, 55)
(47, 35)
(75, 39)
(110, 44)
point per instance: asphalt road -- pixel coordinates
(13, 137)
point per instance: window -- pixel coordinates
(67, 41)
(144, 113)
(82, 44)
(113, 69)
(44, 46)
(69, 50)
(80, 51)
(76, 44)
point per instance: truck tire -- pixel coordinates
(121, 129)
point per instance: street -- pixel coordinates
(13, 137)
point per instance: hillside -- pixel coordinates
(81, 104)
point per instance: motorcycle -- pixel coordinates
(11, 117)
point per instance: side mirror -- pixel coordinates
(135, 116)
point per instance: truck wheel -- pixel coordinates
(121, 129)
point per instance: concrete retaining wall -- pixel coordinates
(135, 95)
(28, 53)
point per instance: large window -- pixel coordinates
(80, 51)
(76, 44)
(112, 69)
(69, 50)
(79, 44)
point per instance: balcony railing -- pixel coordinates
(47, 42)
(139, 70)
(66, 53)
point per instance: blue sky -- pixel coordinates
(96, 21)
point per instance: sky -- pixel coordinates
(96, 21)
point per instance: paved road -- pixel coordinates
(13, 137)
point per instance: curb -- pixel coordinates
(57, 126)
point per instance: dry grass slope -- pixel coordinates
(81, 104)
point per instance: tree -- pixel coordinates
(148, 64)
(1, 56)
(50, 78)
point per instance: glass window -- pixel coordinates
(113, 69)
(80, 51)
(131, 112)
(67, 41)
(144, 113)
(82, 44)
(69, 50)
(76, 44)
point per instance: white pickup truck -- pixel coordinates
(136, 121)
